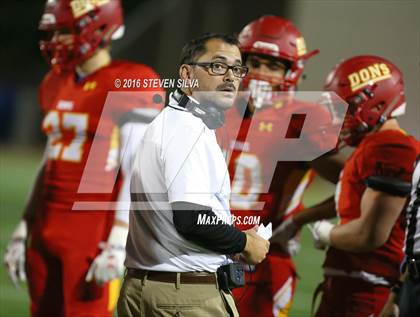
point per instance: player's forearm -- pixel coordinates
(329, 166)
(379, 212)
(362, 234)
(353, 237)
(118, 233)
(120, 223)
(323, 210)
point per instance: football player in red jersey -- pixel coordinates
(365, 247)
(75, 257)
(274, 51)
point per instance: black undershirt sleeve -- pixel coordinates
(389, 185)
(219, 236)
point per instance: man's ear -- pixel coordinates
(185, 72)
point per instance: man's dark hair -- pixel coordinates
(194, 48)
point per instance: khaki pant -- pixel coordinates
(146, 298)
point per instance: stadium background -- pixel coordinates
(156, 31)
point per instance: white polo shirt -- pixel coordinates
(178, 160)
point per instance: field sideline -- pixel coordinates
(18, 168)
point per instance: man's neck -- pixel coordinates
(187, 91)
(99, 59)
(390, 124)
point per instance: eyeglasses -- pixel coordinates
(219, 68)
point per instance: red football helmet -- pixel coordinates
(374, 89)
(276, 37)
(76, 28)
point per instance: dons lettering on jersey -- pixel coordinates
(301, 46)
(370, 74)
(81, 7)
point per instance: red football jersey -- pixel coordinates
(73, 109)
(388, 153)
(262, 182)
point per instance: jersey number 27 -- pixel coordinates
(66, 135)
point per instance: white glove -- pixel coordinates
(283, 233)
(293, 246)
(14, 258)
(321, 232)
(109, 264)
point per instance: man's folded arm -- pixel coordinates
(200, 224)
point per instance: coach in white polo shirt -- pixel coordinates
(179, 177)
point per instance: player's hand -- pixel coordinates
(293, 246)
(256, 248)
(14, 258)
(283, 233)
(109, 264)
(321, 231)
(390, 308)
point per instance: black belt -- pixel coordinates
(413, 267)
(172, 277)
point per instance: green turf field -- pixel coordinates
(17, 169)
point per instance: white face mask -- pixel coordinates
(261, 93)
